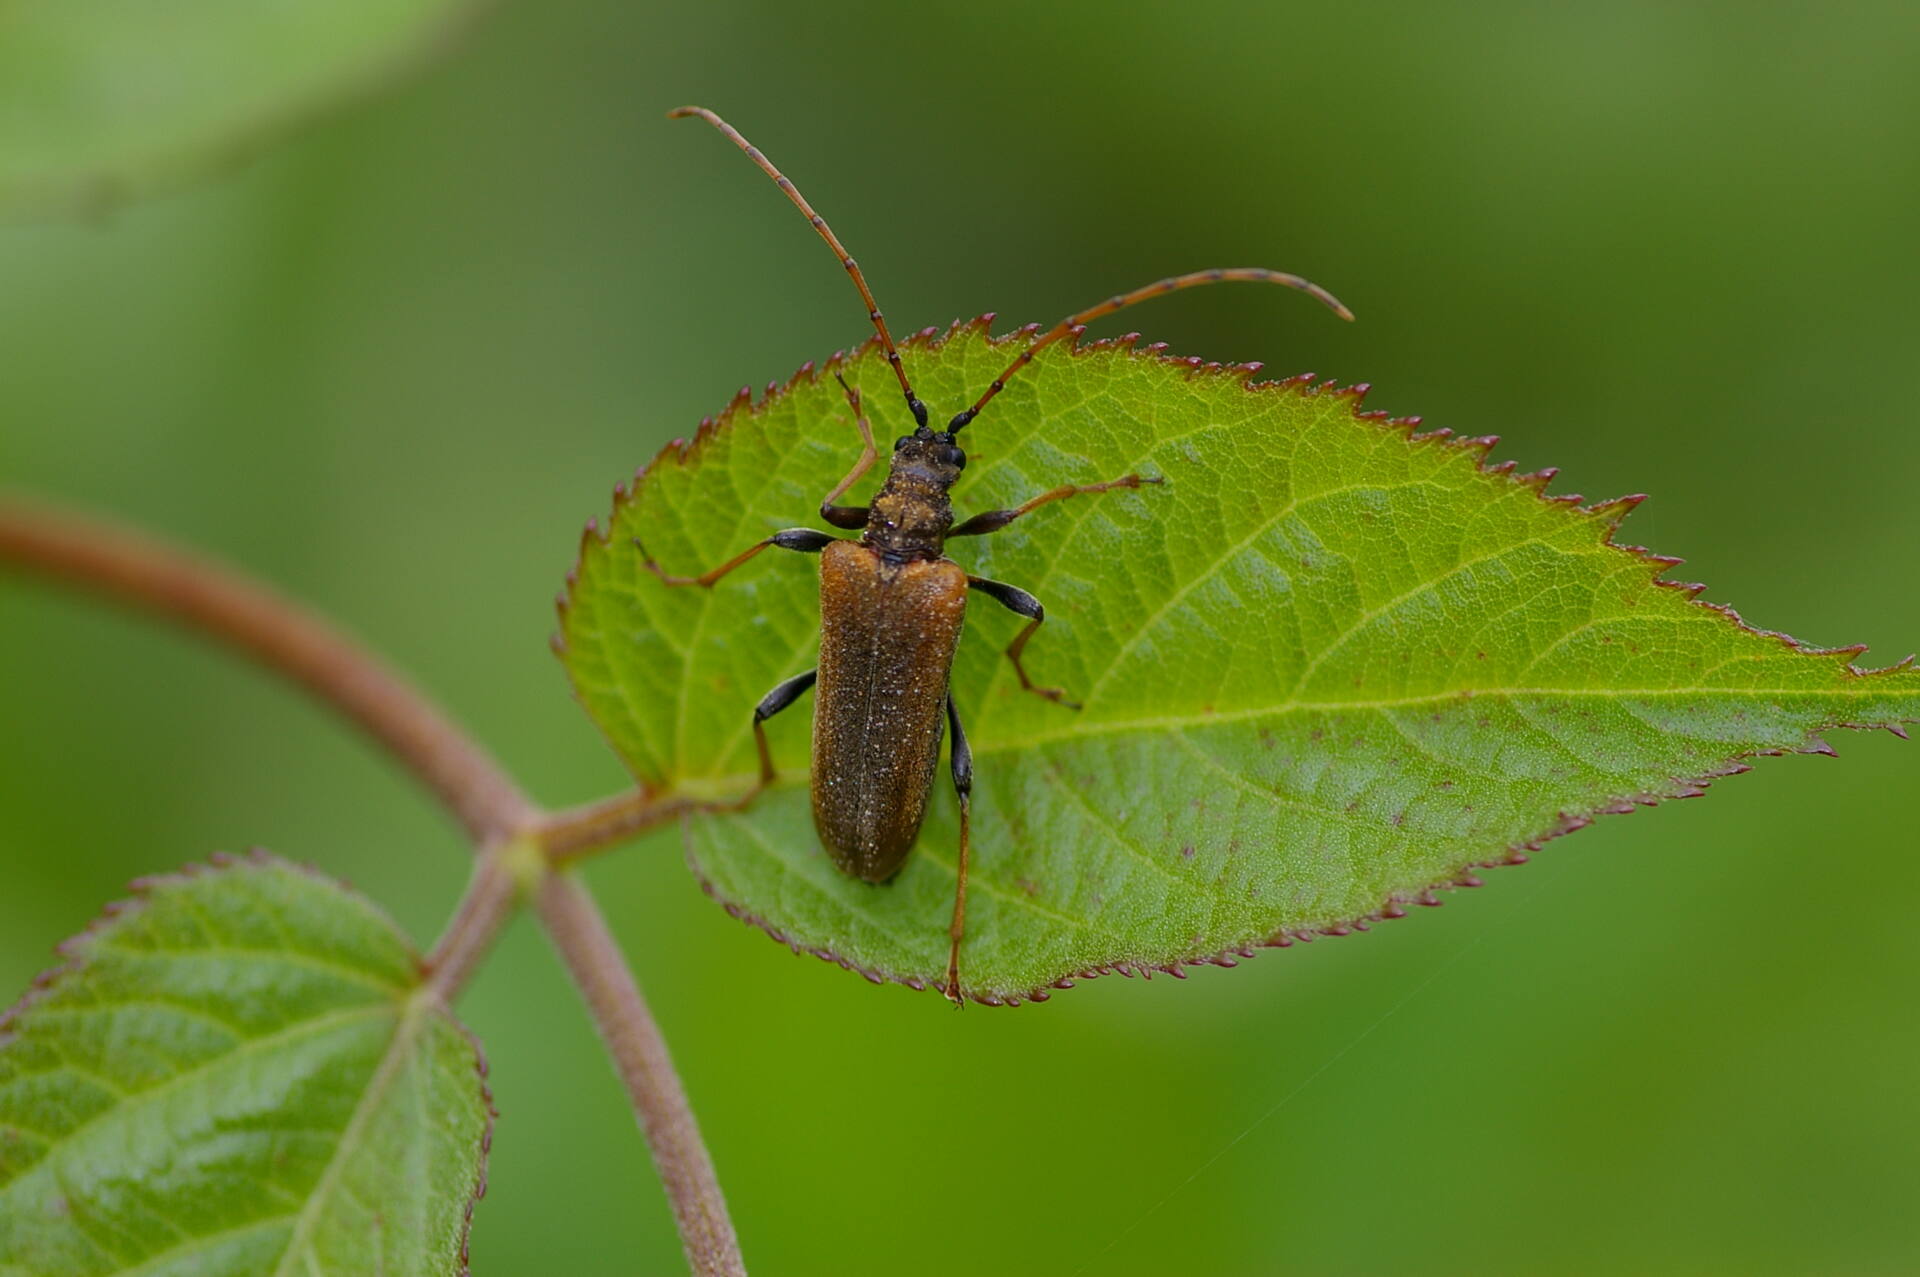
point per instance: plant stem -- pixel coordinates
(515, 836)
(593, 956)
(572, 835)
(491, 900)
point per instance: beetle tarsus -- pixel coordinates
(767, 773)
(805, 540)
(1020, 603)
(960, 757)
(993, 520)
(1057, 695)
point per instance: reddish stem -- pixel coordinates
(593, 957)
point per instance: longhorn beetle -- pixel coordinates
(891, 603)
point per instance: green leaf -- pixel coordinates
(238, 1073)
(105, 99)
(1328, 666)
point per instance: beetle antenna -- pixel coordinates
(1158, 288)
(914, 405)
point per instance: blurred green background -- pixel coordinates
(395, 363)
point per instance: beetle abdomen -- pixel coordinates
(887, 635)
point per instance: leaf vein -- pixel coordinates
(1371, 615)
(405, 1038)
(299, 958)
(202, 1242)
(294, 1032)
(1208, 573)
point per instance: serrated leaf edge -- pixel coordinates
(1395, 906)
(1610, 514)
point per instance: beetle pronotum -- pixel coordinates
(892, 603)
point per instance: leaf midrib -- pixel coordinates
(417, 1009)
(1030, 741)
(1037, 740)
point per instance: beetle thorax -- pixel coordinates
(910, 515)
(909, 518)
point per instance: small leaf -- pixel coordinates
(238, 1073)
(1328, 666)
(105, 99)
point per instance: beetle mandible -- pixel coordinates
(892, 603)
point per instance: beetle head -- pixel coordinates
(930, 456)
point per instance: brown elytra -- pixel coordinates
(879, 707)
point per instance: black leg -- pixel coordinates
(961, 757)
(1018, 601)
(805, 540)
(993, 520)
(770, 704)
(851, 516)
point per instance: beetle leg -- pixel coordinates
(961, 757)
(851, 516)
(993, 520)
(770, 704)
(806, 540)
(1019, 602)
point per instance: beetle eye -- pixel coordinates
(956, 458)
(901, 442)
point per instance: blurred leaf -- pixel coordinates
(238, 1073)
(1328, 666)
(101, 100)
